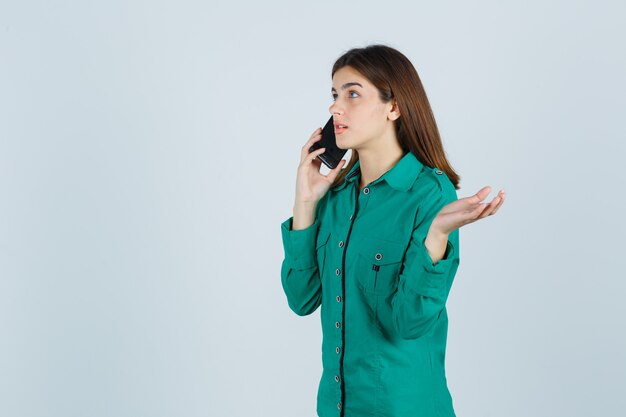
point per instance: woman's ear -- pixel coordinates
(394, 113)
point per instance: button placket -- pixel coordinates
(338, 298)
(338, 349)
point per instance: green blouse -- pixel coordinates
(383, 314)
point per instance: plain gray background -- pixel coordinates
(148, 153)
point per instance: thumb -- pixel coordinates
(335, 171)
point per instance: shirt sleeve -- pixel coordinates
(423, 285)
(299, 271)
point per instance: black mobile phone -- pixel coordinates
(332, 154)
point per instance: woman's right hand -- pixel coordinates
(311, 185)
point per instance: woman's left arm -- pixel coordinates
(432, 259)
(456, 214)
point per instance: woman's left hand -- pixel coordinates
(464, 211)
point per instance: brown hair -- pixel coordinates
(395, 77)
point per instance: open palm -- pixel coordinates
(466, 210)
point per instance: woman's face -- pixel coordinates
(359, 107)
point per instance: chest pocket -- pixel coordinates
(378, 265)
(320, 248)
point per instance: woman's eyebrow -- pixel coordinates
(346, 85)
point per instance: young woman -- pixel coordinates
(377, 244)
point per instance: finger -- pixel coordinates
(479, 210)
(478, 197)
(316, 152)
(306, 148)
(500, 198)
(315, 136)
(310, 157)
(315, 132)
(490, 207)
(499, 204)
(481, 194)
(317, 163)
(474, 214)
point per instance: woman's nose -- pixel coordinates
(334, 108)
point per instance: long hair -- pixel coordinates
(395, 77)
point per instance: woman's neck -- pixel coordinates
(374, 165)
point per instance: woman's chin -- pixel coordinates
(341, 142)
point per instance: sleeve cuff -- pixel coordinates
(442, 265)
(299, 245)
(432, 278)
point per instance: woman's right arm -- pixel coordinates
(299, 271)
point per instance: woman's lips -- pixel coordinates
(338, 130)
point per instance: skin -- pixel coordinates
(371, 132)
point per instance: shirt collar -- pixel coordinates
(401, 176)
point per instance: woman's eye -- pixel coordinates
(350, 92)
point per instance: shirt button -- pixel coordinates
(378, 256)
(337, 272)
(337, 324)
(350, 218)
(337, 349)
(339, 406)
(338, 298)
(438, 172)
(366, 190)
(337, 378)
(341, 244)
